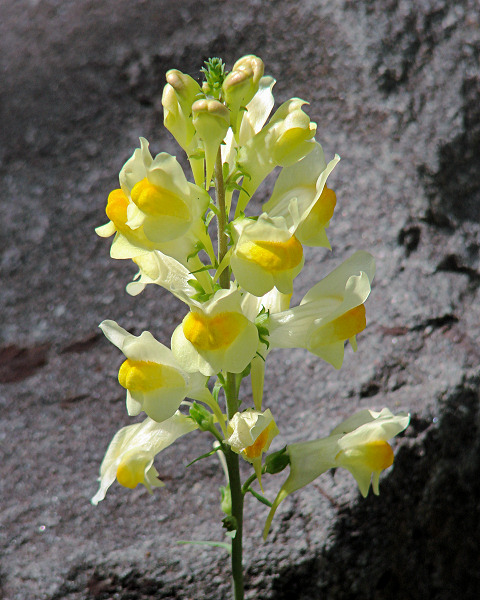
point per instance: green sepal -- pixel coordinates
(198, 154)
(202, 417)
(276, 462)
(204, 268)
(226, 499)
(209, 217)
(216, 389)
(261, 323)
(196, 285)
(230, 523)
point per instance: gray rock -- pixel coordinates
(394, 87)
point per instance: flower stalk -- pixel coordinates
(238, 298)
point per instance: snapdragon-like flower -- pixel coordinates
(331, 313)
(154, 380)
(265, 254)
(156, 207)
(216, 335)
(250, 434)
(301, 196)
(359, 444)
(286, 139)
(163, 201)
(163, 270)
(129, 457)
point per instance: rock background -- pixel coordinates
(394, 87)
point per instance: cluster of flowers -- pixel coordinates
(161, 221)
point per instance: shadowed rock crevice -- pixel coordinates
(453, 188)
(427, 504)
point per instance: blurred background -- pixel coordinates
(394, 87)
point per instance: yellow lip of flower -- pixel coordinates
(145, 376)
(256, 449)
(345, 326)
(116, 210)
(132, 467)
(272, 256)
(375, 456)
(322, 210)
(213, 333)
(158, 202)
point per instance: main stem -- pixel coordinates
(231, 457)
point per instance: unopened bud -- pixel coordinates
(211, 120)
(277, 462)
(178, 96)
(240, 86)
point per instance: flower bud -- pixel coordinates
(178, 96)
(277, 461)
(240, 86)
(211, 120)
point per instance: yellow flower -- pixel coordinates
(161, 269)
(129, 457)
(300, 196)
(286, 139)
(216, 335)
(155, 209)
(154, 380)
(359, 444)
(266, 254)
(250, 434)
(331, 313)
(163, 202)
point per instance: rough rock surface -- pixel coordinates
(395, 89)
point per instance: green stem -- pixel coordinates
(224, 278)
(231, 398)
(237, 495)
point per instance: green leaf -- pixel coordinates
(259, 497)
(196, 249)
(206, 455)
(204, 268)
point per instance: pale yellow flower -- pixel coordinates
(300, 196)
(129, 457)
(359, 444)
(265, 254)
(286, 139)
(154, 380)
(155, 209)
(331, 313)
(250, 434)
(215, 335)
